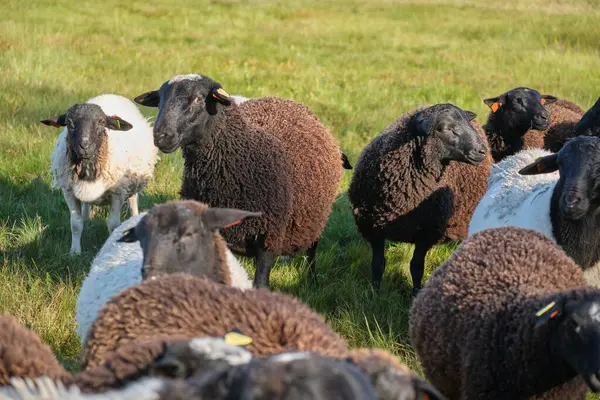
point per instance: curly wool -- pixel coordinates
(472, 325)
(432, 200)
(562, 113)
(314, 156)
(187, 306)
(22, 354)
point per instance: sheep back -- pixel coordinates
(314, 156)
(127, 159)
(458, 322)
(183, 305)
(22, 354)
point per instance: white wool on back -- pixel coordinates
(130, 165)
(44, 388)
(118, 266)
(237, 100)
(516, 200)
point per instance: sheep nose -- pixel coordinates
(572, 200)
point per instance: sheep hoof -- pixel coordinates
(75, 251)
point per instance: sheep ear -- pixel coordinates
(216, 95)
(346, 162)
(547, 99)
(420, 124)
(495, 103)
(543, 165)
(169, 367)
(129, 236)
(117, 124)
(549, 312)
(470, 115)
(148, 99)
(219, 218)
(426, 391)
(57, 121)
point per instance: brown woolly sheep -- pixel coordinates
(520, 118)
(188, 306)
(22, 353)
(266, 154)
(405, 187)
(588, 125)
(508, 316)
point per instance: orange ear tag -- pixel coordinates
(232, 224)
(54, 124)
(543, 101)
(495, 106)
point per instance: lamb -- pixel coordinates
(525, 191)
(184, 305)
(520, 118)
(93, 163)
(178, 236)
(508, 316)
(405, 187)
(23, 354)
(588, 125)
(266, 154)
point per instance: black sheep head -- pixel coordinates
(186, 105)
(180, 237)
(589, 124)
(578, 188)
(519, 110)
(86, 130)
(450, 127)
(574, 327)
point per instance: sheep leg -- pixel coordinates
(377, 260)
(76, 221)
(133, 204)
(417, 265)
(114, 215)
(312, 263)
(85, 211)
(264, 262)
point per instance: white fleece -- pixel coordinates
(516, 200)
(118, 266)
(131, 161)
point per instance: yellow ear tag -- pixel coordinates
(223, 93)
(118, 124)
(495, 106)
(545, 309)
(237, 339)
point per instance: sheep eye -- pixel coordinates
(70, 124)
(196, 100)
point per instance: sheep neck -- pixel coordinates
(425, 167)
(579, 239)
(502, 143)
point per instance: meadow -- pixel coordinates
(358, 64)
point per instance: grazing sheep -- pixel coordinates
(508, 316)
(189, 306)
(520, 118)
(22, 353)
(95, 164)
(525, 191)
(266, 154)
(588, 125)
(178, 236)
(406, 189)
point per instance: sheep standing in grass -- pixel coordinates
(508, 316)
(520, 118)
(525, 191)
(178, 236)
(265, 154)
(588, 125)
(406, 189)
(184, 305)
(94, 163)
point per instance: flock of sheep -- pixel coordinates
(167, 311)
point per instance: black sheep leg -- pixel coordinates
(312, 263)
(264, 262)
(417, 265)
(377, 260)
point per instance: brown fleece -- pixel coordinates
(189, 307)
(563, 114)
(472, 325)
(314, 155)
(22, 354)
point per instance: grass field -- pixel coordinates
(358, 65)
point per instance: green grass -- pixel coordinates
(357, 64)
